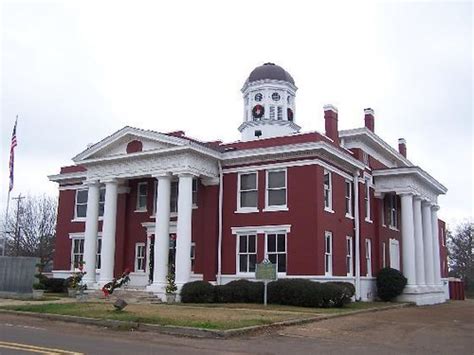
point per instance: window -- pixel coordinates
(392, 211)
(142, 194)
(367, 199)
(276, 188)
(195, 191)
(279, 113)
(276, 250)
(77, 252)
(368, 256)
(98, 259)
(193, 255)
(327, 191)
(140, 257)
(101, 201)
(384, 255)
(348, 198)
(155, 196)
(349, 264)
(272, 112)
(365, 158)
(247, 191)
(81, 204)
(174, 197)
(247, 252)
(394, 254)
(328, 253)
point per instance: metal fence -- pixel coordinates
(17, 274)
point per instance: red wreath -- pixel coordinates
(258, 111)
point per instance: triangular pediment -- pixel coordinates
(128, 141)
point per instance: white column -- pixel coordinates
(90, 234)
(108, 232)
(162, 234)
(408, 239)
(183, 238)
(437, 257)
(419, 249)
(428, 242)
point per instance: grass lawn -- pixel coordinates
(213, 316)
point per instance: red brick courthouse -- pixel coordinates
(329, 206)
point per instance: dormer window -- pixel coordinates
(258, 97)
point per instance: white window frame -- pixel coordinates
(139, 208)
(238, 271)
(101, 202)
(276, 233)
(349, 256)
(384, 255)
(393, 213)
(368, 256)
(73, 242)
(155, 196)
(328, 260)
(367, 204)
(98, 255)
(193, 256)
(137, 246)
(241, 209)
(327, 207)
(394, 254)
(194, 192)
(176, 185)
(348, 199)
(269, 207)
(76, 217)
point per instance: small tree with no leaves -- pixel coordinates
(461, 252)
(31, 228)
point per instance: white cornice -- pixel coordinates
(265, 122)
(360, 137)
(67, 176)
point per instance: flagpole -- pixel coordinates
(5, 225)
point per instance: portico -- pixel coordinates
(418, 193)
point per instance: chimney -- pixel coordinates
(330, 123)
(369, 119)
(402, 146)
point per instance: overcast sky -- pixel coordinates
(77, 71)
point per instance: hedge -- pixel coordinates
(292, 292)
(55, 285)
(390, 283)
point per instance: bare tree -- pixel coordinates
(31, 227)
(461, 252)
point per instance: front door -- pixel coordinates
(171, 256)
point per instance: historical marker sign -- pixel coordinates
(265, 271)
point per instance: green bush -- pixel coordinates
(348, 292)
(240, 291)
(56, 285)
(198, 292)
(390, 283)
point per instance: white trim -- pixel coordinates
(289, 164)
(350, 213)
(276, 207)
(71, 187)
(328, 208)
(284, 228)
(138, 208)
(328, 269)
(368, 257)
(145, 260)
(350, 255)
(246, 209)
(276, 249)
(237, 249)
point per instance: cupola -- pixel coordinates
(269, 103)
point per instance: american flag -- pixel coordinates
(12, 154)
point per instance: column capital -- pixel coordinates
(417, 198)
(92, 182)
(426, 203)
(109, 180)
(435, 207)
(161, 175)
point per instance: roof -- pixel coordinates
(270, 71)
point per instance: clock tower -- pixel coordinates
(269, 103)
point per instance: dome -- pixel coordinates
(270, 71)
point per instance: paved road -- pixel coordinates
(443, 329)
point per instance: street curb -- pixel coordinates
(190, 331)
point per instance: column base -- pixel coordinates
(158, 289)
(422, 295)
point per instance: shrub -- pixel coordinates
(198, 292)
(307, 293)
(240, 291)
(390, 283)
(55, 285)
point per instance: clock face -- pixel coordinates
(276, 96)
(258, 97)
(258, 111)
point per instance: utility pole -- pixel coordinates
(17, 223)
